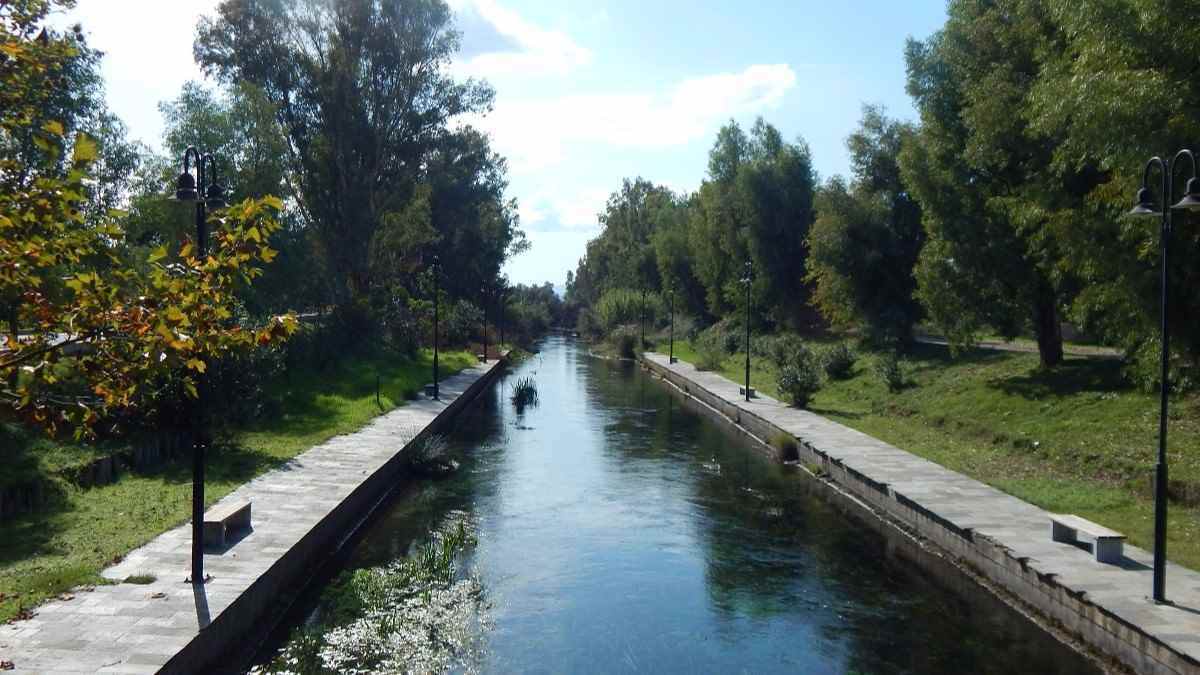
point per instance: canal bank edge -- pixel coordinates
(303, 514)
(1001, 540)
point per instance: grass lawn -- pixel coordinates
(80, 532)
(1075, 439)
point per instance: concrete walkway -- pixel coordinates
(128, 628)
(1114, 597)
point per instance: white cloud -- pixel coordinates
(497, 41)
(533, 133)
(578, 211)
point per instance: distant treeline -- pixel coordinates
(1003, 210)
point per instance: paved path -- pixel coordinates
(968, 504)
(1084, 352)
(128, 628)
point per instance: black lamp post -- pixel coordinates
(1145, 206)
(643, 316)
(671, 348)
(747, 279)
(501, 297)
(436, 268)
(483, 293)
(207, 193)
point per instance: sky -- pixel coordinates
(589, 93)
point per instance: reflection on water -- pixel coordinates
(619, 531)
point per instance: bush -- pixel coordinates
(800, 377)
(622, 306)
(787, 446)
(890, 369)
(838, 361)
(462, 324)
(783, 347)
(710, 350)
(625, 340)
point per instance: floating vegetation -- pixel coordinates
(417, 614)
(525, 393)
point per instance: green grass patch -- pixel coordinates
(1076, 439)
(81, 531)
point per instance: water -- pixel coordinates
(618, 531)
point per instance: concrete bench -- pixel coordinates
(1108, 546)
(753, 392)
(223, 519)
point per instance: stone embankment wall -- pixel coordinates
(931, 538)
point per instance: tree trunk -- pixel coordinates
(1048, 329)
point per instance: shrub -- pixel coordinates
(710, 350)
(462, 324)
(621, 306)
(787, 446)
(625, 341)
(800, 377)
(783, 347)
(838, 361)
(890, 369)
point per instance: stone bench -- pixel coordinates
(753, 392)
(1108, 546)
(223, 519)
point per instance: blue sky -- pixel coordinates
(590, 92)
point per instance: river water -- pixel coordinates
(618, 531)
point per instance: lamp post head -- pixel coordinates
(1191, 196)
(1145, 204)
(185, 187)
(214, 197)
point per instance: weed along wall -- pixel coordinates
(929, 530)
(250, 616)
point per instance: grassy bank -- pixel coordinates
(81, 531)
(1075, 439)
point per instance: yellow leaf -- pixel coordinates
(253, 235)
(186, 250)
(158, 253)
(273, 202)
(85, 149)
(54, 127)
(191, 388)
(196, 365)
(268, 254)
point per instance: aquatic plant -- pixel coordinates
(413, 615)
(525, 393)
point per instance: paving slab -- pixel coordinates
(128, 628)
(1023, 529)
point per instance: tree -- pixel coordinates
(362, 89)
(757, 204)
(102, 333)
(1117, 89)
(866, 238)
(984, 178)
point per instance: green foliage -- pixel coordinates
(404, 171)
(838, 361)
(799, 377)
(983, 175)
(625, 306)
(710, 349)
(783, 347)
(889, 368)
(786, 446)
(866, 238)
(625, 341)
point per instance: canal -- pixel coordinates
(615, 530)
